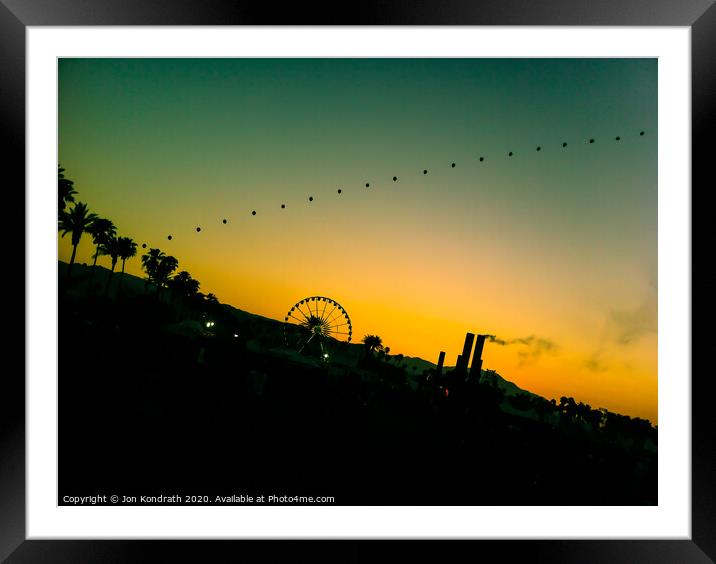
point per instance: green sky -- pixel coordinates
(560, 243)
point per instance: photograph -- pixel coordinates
(413, 273)
(357, 281)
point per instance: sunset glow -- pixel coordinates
(556, 246)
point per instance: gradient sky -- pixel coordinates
(559, 244)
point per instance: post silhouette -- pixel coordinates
(464, 358)
(476, 367)
(441, 361)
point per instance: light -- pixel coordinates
(236, 334)
(325, 355)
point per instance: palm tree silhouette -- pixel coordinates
(177, 285)
(127, 249)
(65, 192)
(167, 265)
(100, 229)
(150, 264)
(372, 343)
(183, 287)
(110, 247)
(211, 304)
(76, 222)
(191, 288)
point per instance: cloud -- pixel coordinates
(627, 326)
(533, 346)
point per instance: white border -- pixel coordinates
(670, 519)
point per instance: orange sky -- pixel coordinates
(559, 244)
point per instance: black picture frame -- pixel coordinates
(16, 15)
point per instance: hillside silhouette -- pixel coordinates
(153, 400)
(268, 332)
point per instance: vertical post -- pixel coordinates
(476, 367)
(464, 358)
(441, 361)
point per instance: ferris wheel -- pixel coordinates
(314, 321)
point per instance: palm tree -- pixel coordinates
(167, 265)
(192, 288)
(150, 264)
(178, 284)
(127, 249)
(100, 229)
(110, 247)
(372, 343)
(183, 287)
(76, 222)
(211, 304)
(65, 192)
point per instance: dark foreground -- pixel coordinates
(145, 412)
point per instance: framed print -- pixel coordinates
(428, 279)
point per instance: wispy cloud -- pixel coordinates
(630, 325)
(625, 327)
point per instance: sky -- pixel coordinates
(552, 251)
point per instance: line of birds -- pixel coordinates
(395, 179)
